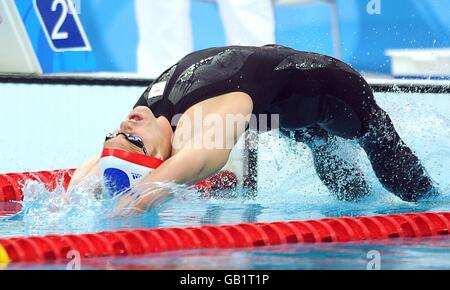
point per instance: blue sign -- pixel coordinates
(61, 24)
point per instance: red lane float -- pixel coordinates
(11, 185)
(9, 209)
(138, 242)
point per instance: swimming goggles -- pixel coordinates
(133, 139)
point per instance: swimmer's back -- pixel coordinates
(268, 74)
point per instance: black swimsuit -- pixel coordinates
(310, 92)
(303, 88)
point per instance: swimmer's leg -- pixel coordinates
(394, 163)
(342, 177)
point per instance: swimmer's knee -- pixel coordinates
(340, 119)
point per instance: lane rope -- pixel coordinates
(139, 242)
(11, 185)
(4, 258)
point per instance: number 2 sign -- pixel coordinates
(61, 25)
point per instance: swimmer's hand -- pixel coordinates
(89, 169)
(138, 201)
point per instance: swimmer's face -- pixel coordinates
(140, 122)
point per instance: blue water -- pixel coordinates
(288, 190)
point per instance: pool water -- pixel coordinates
(288, 190)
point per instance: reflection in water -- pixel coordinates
(398, 254)
(250, 213)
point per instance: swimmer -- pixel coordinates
(316, 98)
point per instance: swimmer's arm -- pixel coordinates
(192, 162)
(187, 167)
(89, 168)
(190, 166)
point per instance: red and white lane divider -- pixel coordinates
(139, 242)
(11, 185)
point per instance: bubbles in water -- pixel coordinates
(45, 210)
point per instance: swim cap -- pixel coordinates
(121, 170)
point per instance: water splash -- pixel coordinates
(292, 188)
(86, 209)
